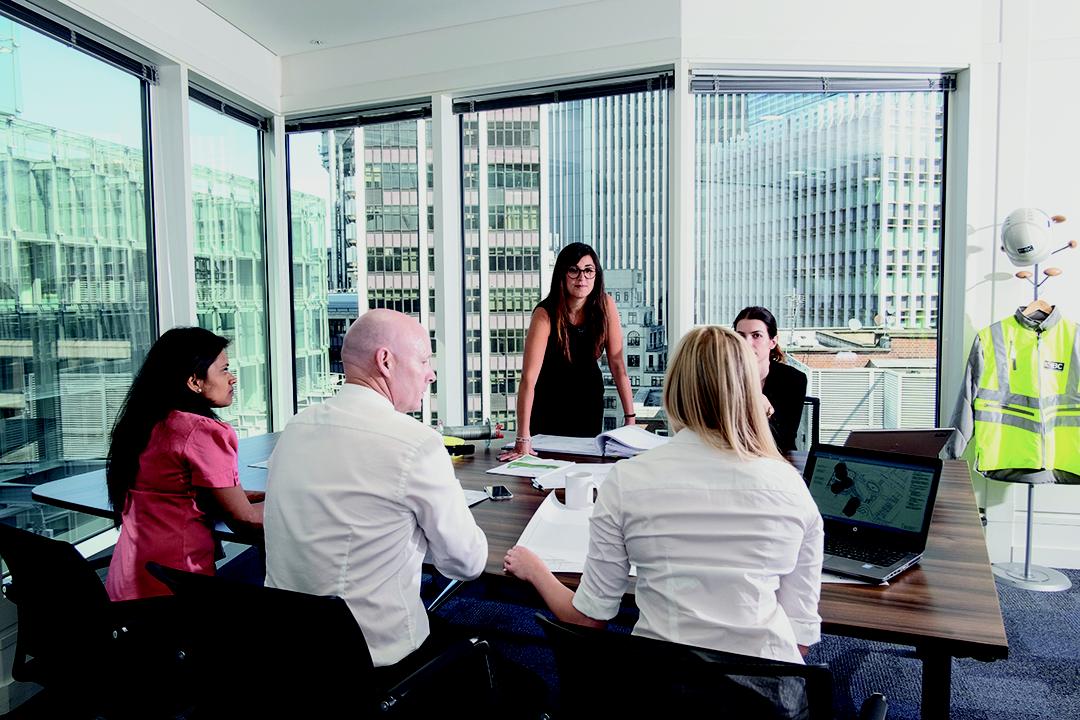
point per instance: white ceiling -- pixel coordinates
(287, 27)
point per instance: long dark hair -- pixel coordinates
(755, 312)
(594, 314)
(159, 388)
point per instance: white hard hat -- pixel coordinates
(1026, 237)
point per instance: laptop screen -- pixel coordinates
(885, 492)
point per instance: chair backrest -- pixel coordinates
(608, 674)
(281, 652)
(810, 424)
(64, 611)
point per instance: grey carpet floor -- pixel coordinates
(1040, 678)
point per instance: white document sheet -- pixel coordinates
(531, 467)
(473, 497)
(560, 536)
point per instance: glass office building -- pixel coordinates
(826, 209)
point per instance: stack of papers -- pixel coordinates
(565, 445)
(625, 441)
(628, 440)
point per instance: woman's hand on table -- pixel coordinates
(522, 447)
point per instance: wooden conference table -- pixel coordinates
(945, 607)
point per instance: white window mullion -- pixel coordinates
(279, 288)
(174, 229)
(449, 309)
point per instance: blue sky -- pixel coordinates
(70, 90)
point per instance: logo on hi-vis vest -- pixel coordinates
(1053, 365)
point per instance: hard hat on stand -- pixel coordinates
(1026, 237)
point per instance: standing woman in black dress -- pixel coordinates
(562, 390)
(783, 386)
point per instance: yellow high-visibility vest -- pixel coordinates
(1027, 401)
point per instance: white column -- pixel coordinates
(174, 228)
(485, 275)
(680, 288)
(449, 310)
(278, 286)
(359, 188)
(422, 233)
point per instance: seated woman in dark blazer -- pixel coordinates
(783, 386)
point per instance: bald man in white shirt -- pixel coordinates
(359, 492)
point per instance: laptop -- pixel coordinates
(928, 442)
(876, 507)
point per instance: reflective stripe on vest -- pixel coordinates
(1027, 403)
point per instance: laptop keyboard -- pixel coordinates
(874, 555)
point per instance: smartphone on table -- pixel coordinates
(498, 492)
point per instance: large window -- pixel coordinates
(75, 305)
(230, 255)
(535, 179)
(361, 238)
(826, 209)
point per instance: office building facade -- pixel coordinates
(824, 208)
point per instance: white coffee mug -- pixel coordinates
(579, 490)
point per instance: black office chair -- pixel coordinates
(608, 674)
(281, 653)
(93, 656)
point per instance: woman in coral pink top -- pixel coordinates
(171, 460)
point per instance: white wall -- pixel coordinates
(840, 33)
(188, 33)
(1025, 152)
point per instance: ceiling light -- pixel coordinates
(796, 173)
(317, 43)
(872, 178)
(5, 49)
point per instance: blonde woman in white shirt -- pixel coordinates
(725, 537)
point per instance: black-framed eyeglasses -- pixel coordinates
(573, 271)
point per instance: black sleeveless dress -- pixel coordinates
(569, 395)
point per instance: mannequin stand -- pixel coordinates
(1025, 575)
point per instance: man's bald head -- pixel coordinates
(374, 330)
(389, 351)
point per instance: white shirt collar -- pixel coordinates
(365, 393)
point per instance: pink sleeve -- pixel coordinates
(211, 455)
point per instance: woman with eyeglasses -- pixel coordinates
(172, 461)
(562, 390)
